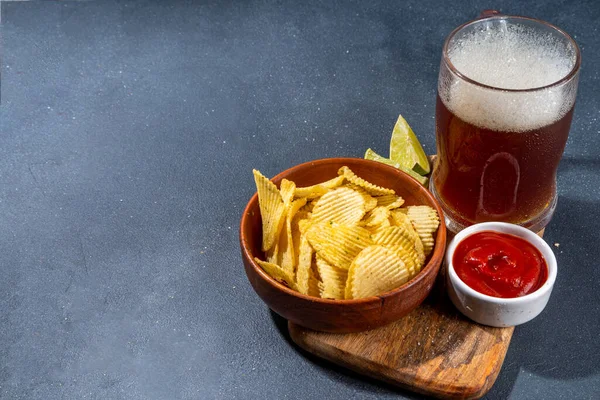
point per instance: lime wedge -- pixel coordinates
(371, 155)
(406, 150)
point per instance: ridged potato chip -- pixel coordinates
(277, 273)
(304, 270)
(370, 201)
(368, 186)
(313, 278)
(390, 201)
(286, 241)
(425, 215)
(425, 221)
(308, 207)
(402, 210)
(338, 244)
(401, 219)
(333, 280)
(398, 239)
(273, 255)
(375, 270)
(287, 189)
(304, 224)
(320, 189)
(296, 233)
(272, 209)
(378, 228)
(313, 284)
(409, 257)
(393, 235)
(311, 192)
(376, 217)
(341, 205)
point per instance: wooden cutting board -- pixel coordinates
(434, 350)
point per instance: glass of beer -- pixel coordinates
(506, 92)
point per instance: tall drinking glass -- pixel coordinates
(506, 92)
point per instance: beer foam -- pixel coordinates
(509, 56)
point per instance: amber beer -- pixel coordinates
(506, 94)
(489, 175)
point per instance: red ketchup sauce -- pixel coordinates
(499, 264)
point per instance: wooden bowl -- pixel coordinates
(341, 316)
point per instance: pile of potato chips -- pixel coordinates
(345, 238)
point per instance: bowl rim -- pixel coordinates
(437, 253)
(513, 229)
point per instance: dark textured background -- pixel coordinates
(128, 133)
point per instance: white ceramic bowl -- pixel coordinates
(495, 311)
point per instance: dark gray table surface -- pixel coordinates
(128, 132)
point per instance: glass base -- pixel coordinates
(455, 224)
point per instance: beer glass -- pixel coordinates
(506, 92)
